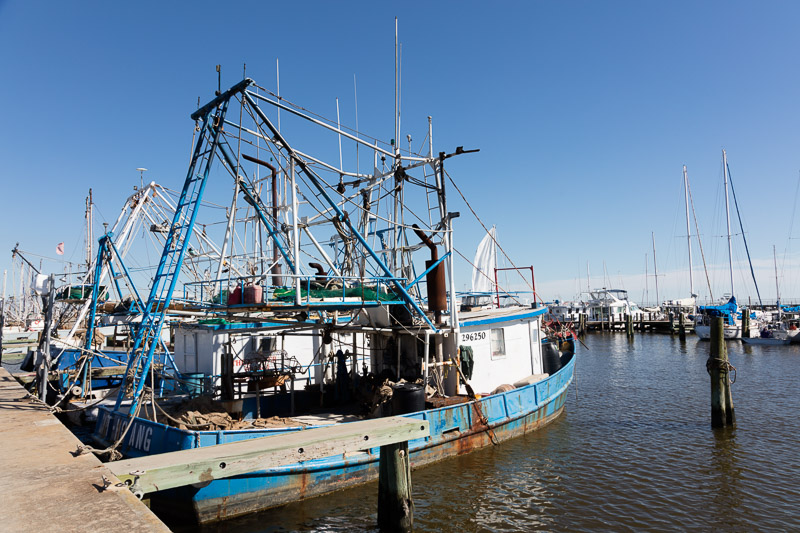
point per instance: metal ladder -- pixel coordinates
(165, 280)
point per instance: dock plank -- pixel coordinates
(198, 465)
(44, 488)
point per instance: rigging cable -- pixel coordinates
(739, 215)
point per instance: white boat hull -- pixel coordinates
(731, 332)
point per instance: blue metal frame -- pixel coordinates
(315, 181)
(166, 278)
(427, 270)
(253, 200)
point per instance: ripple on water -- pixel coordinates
(633, 451)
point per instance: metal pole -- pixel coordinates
(688, 230)
(44, 367)
(655, 267)
(295, 234)
(728, 216)
(427, 359)
(321, 251)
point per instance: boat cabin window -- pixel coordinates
(498, 343)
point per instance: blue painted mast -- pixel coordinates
(165, 280)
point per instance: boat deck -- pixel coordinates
(43, 487)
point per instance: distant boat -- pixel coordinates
(765, 342)
(728, 310)
(732, 320)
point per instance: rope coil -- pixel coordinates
(723, 365)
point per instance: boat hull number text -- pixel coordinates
(474, 336)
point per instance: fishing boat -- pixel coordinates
(369, 330)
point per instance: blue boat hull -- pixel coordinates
(455, 430)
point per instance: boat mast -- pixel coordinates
(89, 237)
(777, 290)
(396, 151)
(655, 267)
(688, 230)
(588, 278)
(727, 215)
(646, 286)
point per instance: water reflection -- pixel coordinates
(725, 479)
(633, 451)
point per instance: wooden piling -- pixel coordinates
(395, 505)
(746, 323)
(671, 323)
(682, 326)
(629, 325)
(717, 365)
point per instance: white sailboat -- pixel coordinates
(729, 310)
(778, 332)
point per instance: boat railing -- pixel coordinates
(300, 290)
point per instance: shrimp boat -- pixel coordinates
(334, 318)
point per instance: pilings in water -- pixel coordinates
(746, 323)
(629, 326)
(722, 413)
(395, 505)
(682, 326)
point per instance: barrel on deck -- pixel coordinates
(407, 398)
(253, 294)
(551, 359)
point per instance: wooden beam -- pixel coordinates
(176, 469)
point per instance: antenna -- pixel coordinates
(141, 172)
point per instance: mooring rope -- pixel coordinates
(723, 365)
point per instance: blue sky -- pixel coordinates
(584, 113)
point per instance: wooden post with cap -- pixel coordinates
(722, 413)
(395, 504)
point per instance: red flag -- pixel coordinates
(60, 248)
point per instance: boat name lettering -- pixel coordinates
(474, 336)
(140, 437)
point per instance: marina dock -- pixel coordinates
(44, 487)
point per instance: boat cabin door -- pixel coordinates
(536, 347)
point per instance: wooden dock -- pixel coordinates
(44, 487)
(648, 322)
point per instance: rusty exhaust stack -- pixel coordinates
(276, 269)
(437, 292)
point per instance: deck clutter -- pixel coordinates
(309, 341)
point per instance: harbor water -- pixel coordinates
(633, 451)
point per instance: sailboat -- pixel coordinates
(776, 332)
(728, 310)
(688, 304)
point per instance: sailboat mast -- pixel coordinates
(588, 278)
(655, 267)
(777, 290)
(688, 230)
(728, 216)
(646, 275)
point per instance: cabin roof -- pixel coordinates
(495, 316)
